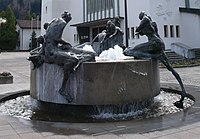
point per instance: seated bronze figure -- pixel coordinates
(153, 49)
(55, 50)
(110, 37)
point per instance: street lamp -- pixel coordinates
(126, 22)
(2, 20)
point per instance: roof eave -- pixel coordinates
(189, 10)
(94, 23)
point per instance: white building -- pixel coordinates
(178, 20)
(25, 29)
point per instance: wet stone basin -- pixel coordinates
(98, 83)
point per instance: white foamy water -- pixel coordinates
(112, 54)
(162, 105)
(115, 53)
(19, 107)
(88, 48)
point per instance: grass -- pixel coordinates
(183, 63)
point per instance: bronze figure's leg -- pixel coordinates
(68, 69)
(141, 51)
(68, 62)
(164, 60)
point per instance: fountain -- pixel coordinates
(68, 79)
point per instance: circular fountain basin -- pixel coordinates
(24, 107)
(98, 83)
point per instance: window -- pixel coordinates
(171, 31)
(128, 33)
(138, 35)
(133, 33)
(107, 4)
(90, 6)
(111, 4)
(96, 5)
(166, 34)
(76, 38)
(177, 31)
(46, 10)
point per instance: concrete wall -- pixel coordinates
(191, 29)
(134, 8)
(46, 12)
(76, 10)
(195, 4)
(56, 8)
(25, 37)
(164, 12)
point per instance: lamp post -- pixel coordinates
(126, 22)
(187, 3)
(32, 29)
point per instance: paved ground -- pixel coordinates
(17, 64)
(184, 125)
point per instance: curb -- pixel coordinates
(13, 95)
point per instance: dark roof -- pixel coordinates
(26, 24)
(190, 10)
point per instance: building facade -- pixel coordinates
(25, 29)
(178, 20)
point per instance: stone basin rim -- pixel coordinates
(115, 61)
(13, 95)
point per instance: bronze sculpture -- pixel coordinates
(55, 50)
(110, 37)
(153, 49)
